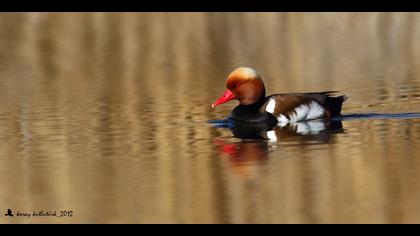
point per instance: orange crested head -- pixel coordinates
(243, 84)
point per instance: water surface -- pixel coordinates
(105, 114)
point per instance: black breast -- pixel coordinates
(253, 113)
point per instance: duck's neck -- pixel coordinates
(255, 106)
(252, 113)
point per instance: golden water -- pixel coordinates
(105, 115)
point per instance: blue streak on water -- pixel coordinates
(224, 123)
(358, 116)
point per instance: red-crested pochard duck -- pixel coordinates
(246, 85)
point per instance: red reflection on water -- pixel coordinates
(243, 151)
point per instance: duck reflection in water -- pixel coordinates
(257, 139)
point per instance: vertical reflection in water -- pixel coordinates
(103, 114)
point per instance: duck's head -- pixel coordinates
(243, 84)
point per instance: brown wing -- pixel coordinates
(286, 103)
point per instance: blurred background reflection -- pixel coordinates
(105, 114)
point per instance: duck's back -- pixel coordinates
(294, 107)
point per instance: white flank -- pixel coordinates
(271, 106)
(307, 112)
(315, 111)
(300, 113)
(283, 121)
(271, 135)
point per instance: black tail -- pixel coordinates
(334, 104)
